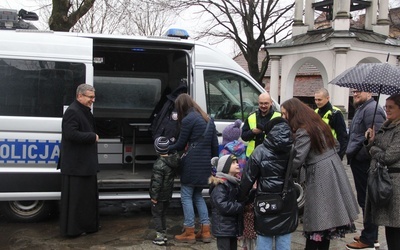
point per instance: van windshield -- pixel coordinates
(229, 96)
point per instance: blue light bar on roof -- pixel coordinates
(174, 32)
(138, 49)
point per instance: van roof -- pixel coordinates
(76, 46)
(33, 44)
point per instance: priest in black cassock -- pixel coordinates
(79, 166)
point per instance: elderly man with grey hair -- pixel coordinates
(79, 165)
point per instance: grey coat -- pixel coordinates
(362, 120)
(329, 198)
(386, 148)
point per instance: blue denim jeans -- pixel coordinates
(282, 242)
(190, 195)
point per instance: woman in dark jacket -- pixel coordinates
(199, 135)
(268, 165)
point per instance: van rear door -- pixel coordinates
(132, 77)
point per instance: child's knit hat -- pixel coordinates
(231, 132)
(161, 145)
(224, 163)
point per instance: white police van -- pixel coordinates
(39, 73)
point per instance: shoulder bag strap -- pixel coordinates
(201, 137)
(288, 172)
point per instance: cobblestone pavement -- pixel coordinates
(126, 231)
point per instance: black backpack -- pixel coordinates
(165, 122)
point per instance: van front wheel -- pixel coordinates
(27, 211)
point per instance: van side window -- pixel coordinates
(126, 96)
(229, 96)
(38, 88)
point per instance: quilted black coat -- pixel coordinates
(162, 178)
(268, 165)
(196, 165)
(227, 212)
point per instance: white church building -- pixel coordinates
(331, 50)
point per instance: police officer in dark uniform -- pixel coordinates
(332, 116)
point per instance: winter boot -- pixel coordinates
(160, 239)
(187, 236)
(204, 233)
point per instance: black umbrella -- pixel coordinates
(371, 77)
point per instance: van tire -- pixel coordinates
(28, 211)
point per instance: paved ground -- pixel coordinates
(126, 231)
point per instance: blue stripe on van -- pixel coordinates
(29, 151)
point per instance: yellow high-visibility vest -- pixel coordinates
(253, 124)
(325, 118)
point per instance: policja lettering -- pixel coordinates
(29, 151)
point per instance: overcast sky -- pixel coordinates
(188, 24)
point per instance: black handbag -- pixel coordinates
(379, 185)
(273, 203)
(268, 203)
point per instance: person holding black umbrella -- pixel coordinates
(384, 148)
(359, 159)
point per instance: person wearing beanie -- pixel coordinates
(226, 213)
(231, 132)
(267, 166)
(161, 186)
(232, 145)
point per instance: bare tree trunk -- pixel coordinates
(61, 19)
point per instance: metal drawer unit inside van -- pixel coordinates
(110, 151)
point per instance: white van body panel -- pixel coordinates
(209, 57)
(29, 143)
(29, 46)
(14, 44)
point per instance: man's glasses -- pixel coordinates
(356, 92)
(89, 96)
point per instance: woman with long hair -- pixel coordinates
(330, 205)
(198, 136)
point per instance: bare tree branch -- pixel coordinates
(251, 24)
